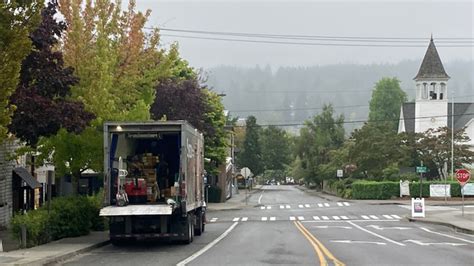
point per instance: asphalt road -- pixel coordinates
(283, 225)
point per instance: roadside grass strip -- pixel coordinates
(320, 249)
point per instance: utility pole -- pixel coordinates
(452, 137)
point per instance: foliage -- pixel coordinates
(278, 175)
(387, 98)
(434, 149)
(45, 85)
(377, 150)
(68, 217)
(251, 155)
(317, 138)
(375, 190)
(275, 145)
(17, 20)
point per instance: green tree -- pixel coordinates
(251, 155)
(275, 145)
(387, 98)
(317, 138)
(18, 18)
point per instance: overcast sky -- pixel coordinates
(399, 19)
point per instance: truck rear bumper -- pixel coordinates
(146, 236)
(131, 210)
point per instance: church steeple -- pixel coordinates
(431, 67)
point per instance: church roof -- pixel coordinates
(463, 113)
(431, 67)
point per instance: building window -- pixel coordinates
(425, 91)
(442, 91)
(433, 94)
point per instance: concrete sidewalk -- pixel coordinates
(55, 251)
(449, 217)
(236, 202)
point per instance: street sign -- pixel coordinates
(245, 172)
(421, 169)
(339, 173)
(463, 175)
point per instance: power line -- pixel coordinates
(306, 43)
(320, 37)
(360, 121)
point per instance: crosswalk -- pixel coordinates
(307, 205)
(373, 217)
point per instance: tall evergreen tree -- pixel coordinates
(251, 156)
(275, 146)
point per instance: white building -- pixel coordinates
(433, 103)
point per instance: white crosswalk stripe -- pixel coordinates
(300, 206)
(325, 217)
(374, 217)
(336, 218)
(262, 208)
(344, 217)
(396, 216)
(269, 207)
(236, 219)
(346, 203)
(316, 218)
(282, 206)
(244, 219)
(292, 218)
(287, 206)
(264, 218)
(387, 216)
(272, 218)
(340, 204)
(213, 220)
(365, 217)
(320, 205)
(301, 218)
(326, 204)
(307, 205)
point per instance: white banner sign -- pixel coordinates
(468, 189)
(440, 190)
(404, 188)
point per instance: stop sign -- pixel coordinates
(462, 175)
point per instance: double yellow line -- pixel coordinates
(320, 249)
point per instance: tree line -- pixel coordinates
(62, 78)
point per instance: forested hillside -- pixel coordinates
(289, 95)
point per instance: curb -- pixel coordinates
(61, 257)
(455, 227)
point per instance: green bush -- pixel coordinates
(375, 190)
(36, 227)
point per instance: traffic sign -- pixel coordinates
(463, 175)
(421, 169)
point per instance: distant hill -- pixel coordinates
(290, 95)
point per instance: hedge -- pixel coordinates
(68, 217)
(375, 190)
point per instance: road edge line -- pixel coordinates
(445, 235)
(375, 234)
(207, 247)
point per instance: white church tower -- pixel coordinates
(431, 104)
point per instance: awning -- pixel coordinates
(26, 176)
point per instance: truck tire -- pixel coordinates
(190, 230)
(199, 223)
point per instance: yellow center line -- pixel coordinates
(322, 259)
(321, 246)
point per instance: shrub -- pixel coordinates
(36, 227)
(375, 190)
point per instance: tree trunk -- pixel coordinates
(75, 182)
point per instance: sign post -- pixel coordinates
(463, 176)
(421, 169)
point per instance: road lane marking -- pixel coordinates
(321, 246)
(287, 206)
(378, 227)
(344, 217)
(307, 205)
(282, 207)
(346, 203)
(387, 216)
(336, 218)
(375, 234)
(208, 246)
(326, 204)
(301, 218)
(358, 242)
(320, 205)
(396, 216)
(269, 207)
(365, 217)
(272, 218)
(292, 218)
(450, 236)
(418, 242)
(260, 198)
(374, 217)
(264, 218)
(262, 208)
(322, 259)
(213, 220)
(325, 217)
(340, 204)
(244, 219)
(332, 226)
(236, 219)
(316, 218)
(300, 206)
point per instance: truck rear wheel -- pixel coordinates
(199, 223)
(190, 230)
